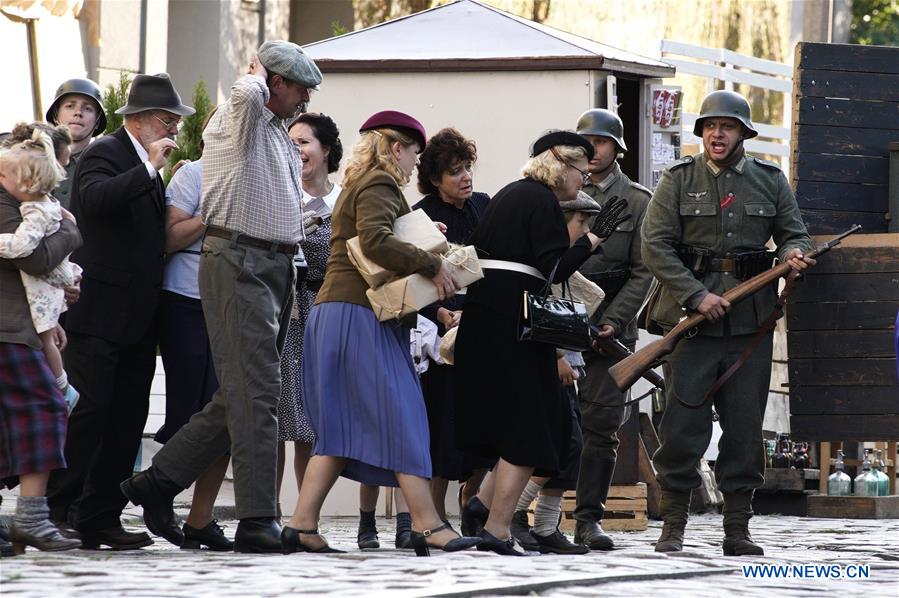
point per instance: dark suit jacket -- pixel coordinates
(120, 212)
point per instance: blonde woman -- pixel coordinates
(362, 393)
(509, 404)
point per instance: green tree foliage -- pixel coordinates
(190, 138)
(875, 23)
(114, 98)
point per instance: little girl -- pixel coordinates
(29, 172)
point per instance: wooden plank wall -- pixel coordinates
(841, 317)
(845, 112)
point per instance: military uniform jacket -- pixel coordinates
(621, 250)
(725, 210)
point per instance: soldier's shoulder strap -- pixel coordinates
(767, 164)
(680, 163)
(639, 188)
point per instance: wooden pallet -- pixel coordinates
(625, 509)
(854, 507)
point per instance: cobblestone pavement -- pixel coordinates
(164, 571)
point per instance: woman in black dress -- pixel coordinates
(509, 405)
(445, 172)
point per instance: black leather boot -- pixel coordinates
(737, 512)
(156, 494)
(674, 507)
(589, 532)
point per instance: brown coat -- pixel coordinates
(368, 209)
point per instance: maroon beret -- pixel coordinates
(400, 121)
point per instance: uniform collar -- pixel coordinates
(613, 176)
(717, 170)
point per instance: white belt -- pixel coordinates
(513, 266)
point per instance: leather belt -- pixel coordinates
(726, 264)
(242, 239)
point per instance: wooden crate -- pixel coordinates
(790, 480)
(625, 509)
(854, 507)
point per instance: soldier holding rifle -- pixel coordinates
(705, 231)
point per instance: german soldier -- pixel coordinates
(619, 270)
(705, 231)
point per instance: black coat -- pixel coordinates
(121, 214)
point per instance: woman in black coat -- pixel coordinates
(509, 404)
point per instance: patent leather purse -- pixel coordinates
(557, 321)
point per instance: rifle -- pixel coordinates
(616, 349)
(628, 370)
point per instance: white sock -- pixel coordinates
(63, 381)
(528, 496)
(546, 515)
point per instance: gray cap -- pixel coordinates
(583, 203)
(287, 59)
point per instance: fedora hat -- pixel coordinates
(154, 92)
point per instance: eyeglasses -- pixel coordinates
(585, 176)
(177, 124)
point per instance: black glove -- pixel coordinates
(610, 217)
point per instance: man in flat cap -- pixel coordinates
(117, 199)
(252, 207)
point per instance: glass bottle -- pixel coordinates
(770, 449)
(800, 455)
(839, 484)
(866, 481)
(783, 458)
(883, 480)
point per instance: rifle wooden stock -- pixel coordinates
(629, 370)
(616, 349)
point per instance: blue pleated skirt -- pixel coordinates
(362, 394)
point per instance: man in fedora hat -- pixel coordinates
(118, 201)
(251, 204)
(78, 105)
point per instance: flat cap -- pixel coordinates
(583, 203)
(287, 59)
(551, 139)
(393, 119)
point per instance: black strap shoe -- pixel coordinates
(116, 538)
(509, 547)
(419, 541)
(291, 543)
(558, 543)
(212, 536)
(474, 516)
(521, 531)
(156, 495)
(258, 535)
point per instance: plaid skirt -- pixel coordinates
(32, 413)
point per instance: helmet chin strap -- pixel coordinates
(733, 157)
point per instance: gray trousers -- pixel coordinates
(602, 413)
(685, 433)
(247, 296)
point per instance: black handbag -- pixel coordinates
(557, 321)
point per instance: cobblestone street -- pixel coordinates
(634, 569)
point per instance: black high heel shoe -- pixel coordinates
(290, 542)
(422, 548)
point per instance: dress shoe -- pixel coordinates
(521, 531)
(474, 517)
(290, 542)
(66, 529)
(509, 547)
(591, 535)
(115, 537)
(258, 534)
(52, 541)
(212, 536)
(150, 490)
(419, 541)
(367, 538)
(558, 543)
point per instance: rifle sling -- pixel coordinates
(765, 329)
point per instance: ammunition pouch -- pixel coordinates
(742, 265)
(610, 281)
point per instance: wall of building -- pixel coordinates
(502, 111)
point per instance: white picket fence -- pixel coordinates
(717, 64)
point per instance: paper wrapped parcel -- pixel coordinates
(409, 294)
(416, 228)
(584, 290)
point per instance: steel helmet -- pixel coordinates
(84, 87)
(603, 123)
(725, 103)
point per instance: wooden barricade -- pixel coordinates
(625, 509)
